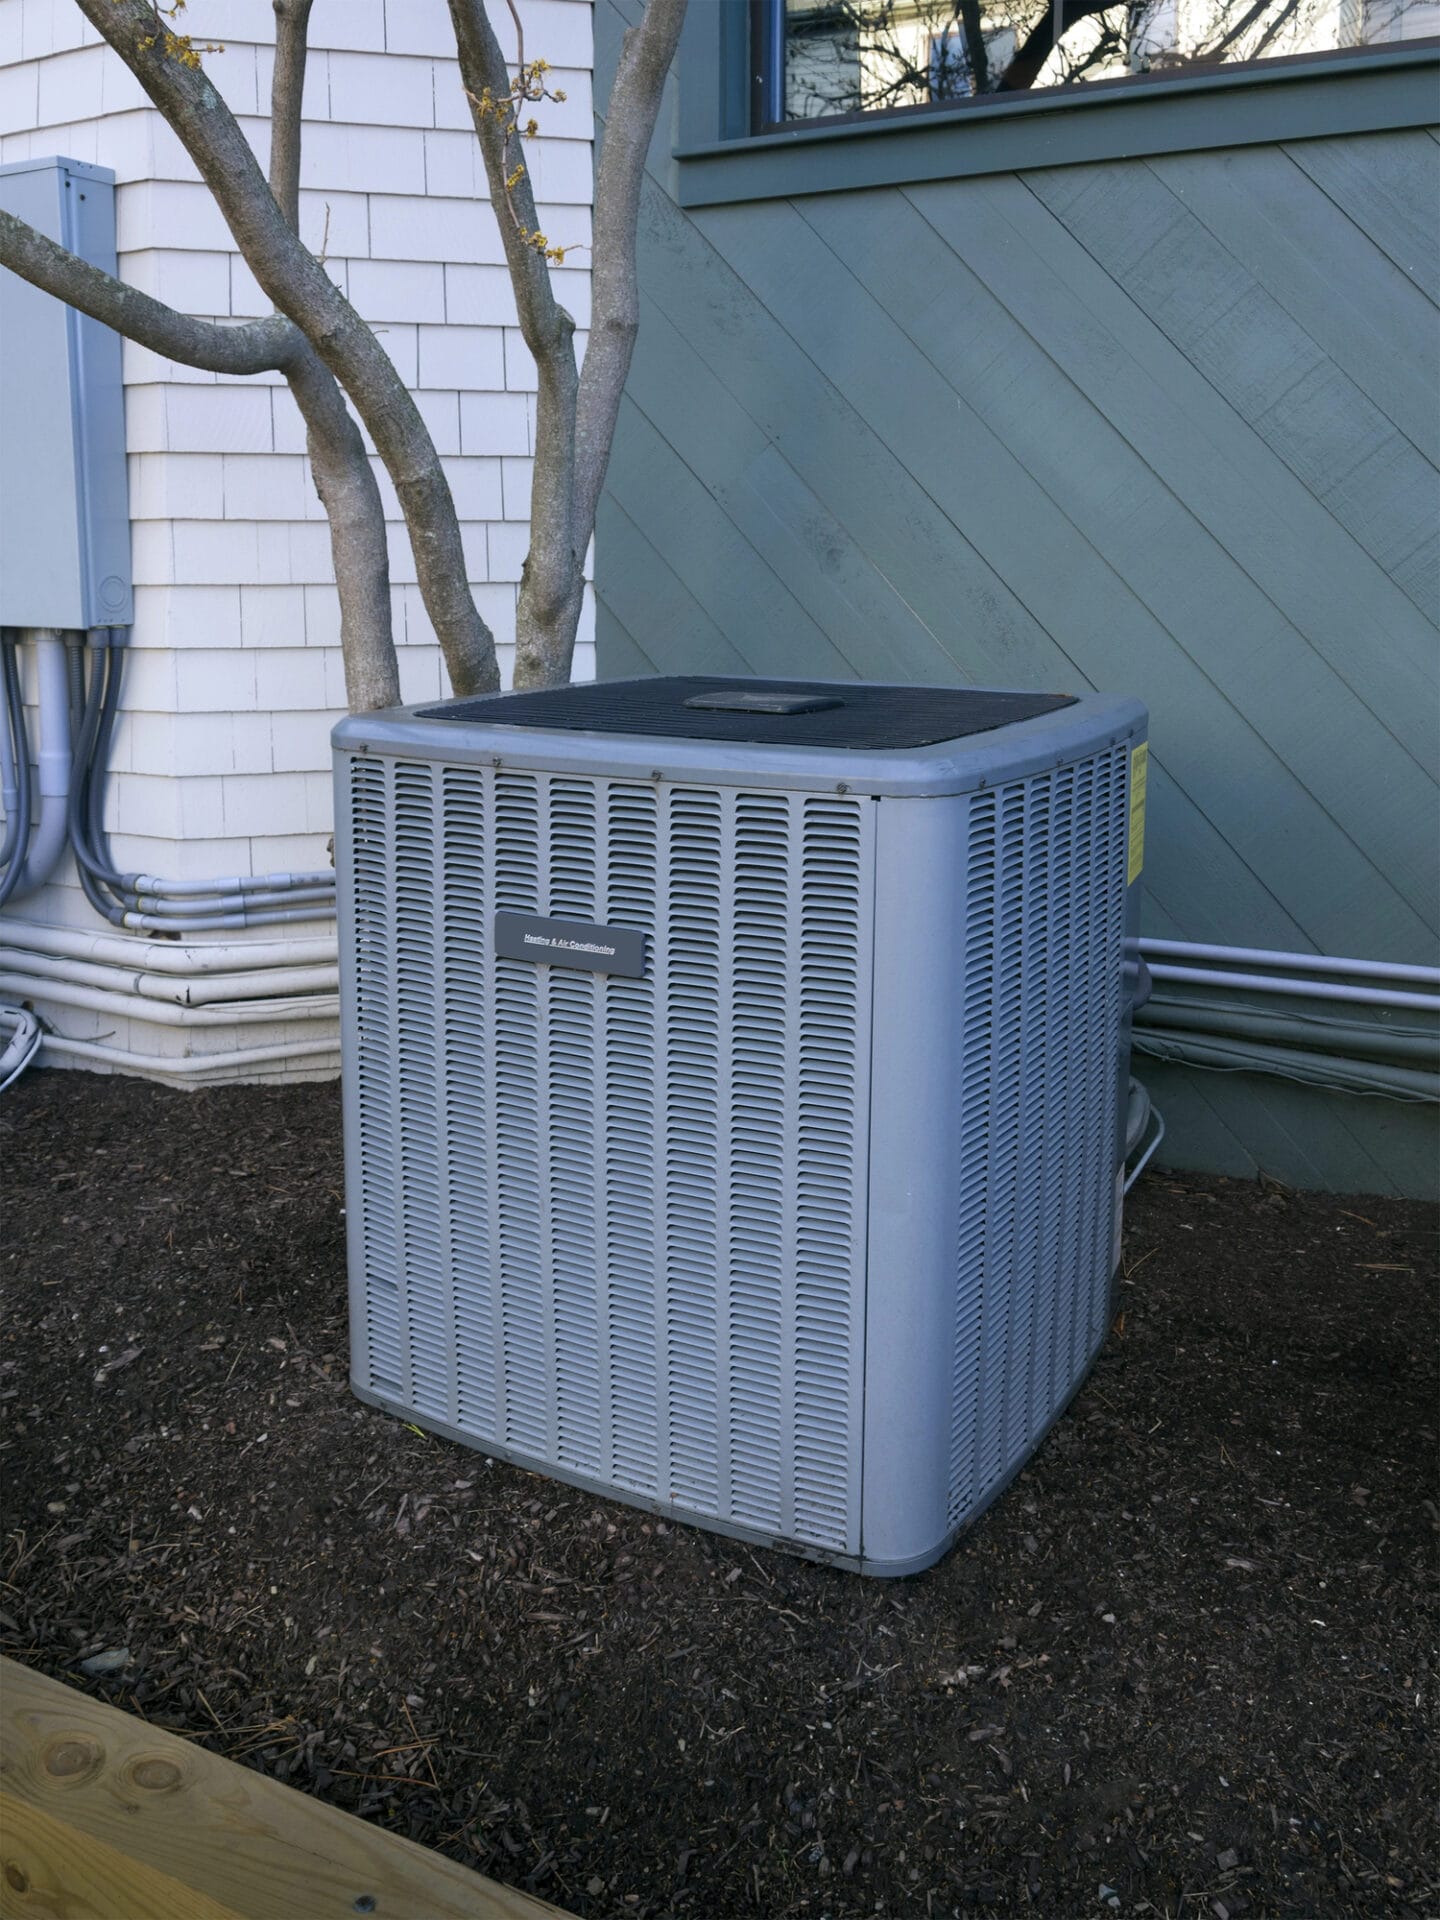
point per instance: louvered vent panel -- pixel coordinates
(759, 1331)
(372, 990)
(626, 1216)
(690, 1258)
(467, 989)
(573, 1115)
(831, 1121)
(425, 1279)
(625, 1198)
(1037, 1078)
(521, 1187)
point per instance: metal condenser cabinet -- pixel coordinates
(734, 1087)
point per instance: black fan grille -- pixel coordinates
(865, 718)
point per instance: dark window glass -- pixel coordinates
(829, 57)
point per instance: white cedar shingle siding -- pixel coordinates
(234, 677)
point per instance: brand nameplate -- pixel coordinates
(570, 943)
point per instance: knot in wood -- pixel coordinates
(73, 1757)
(154, 1774)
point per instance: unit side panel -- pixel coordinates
(614, 1227)
(1028, 1009)
(1042, 995)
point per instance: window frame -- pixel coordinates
(1299, 97)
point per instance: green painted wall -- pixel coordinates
(1164, 426)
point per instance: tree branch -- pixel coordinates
(977, 53)
(1041, 41)
(259, 346)
(554, 564)
(338, 459)
(339, 463)
(287, 94)
(348, 492)
(301, 288)
(483, 73)
(645, 60)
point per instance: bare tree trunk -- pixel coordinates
(351, 499)
(339, 463)
(645, 57)
(979, 53)
(1037, 46)
(342, 472)
(576, 414)
(287, 103)
(543, 643)
(552, 580)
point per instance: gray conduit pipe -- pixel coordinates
(239, 986)
(19, 840)
(201, 958)
(47, 844)
(190, 1065)
(235, 902)
(124, 1006)
(1346, 1037)
(9, 773)
(22, 1034)
(1309, 1068)
(1190, 952)
(223, 922)
(1294, 989)
(1150, 1113)
(143, 900)
(147, 885)
(270, 984)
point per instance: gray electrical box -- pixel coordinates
(734, 1087)
(64, 505)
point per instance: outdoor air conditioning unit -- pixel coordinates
(735, 1087)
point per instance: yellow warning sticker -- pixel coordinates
(1139, 766)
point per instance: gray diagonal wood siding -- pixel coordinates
(1166, 426)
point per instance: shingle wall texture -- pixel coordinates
(234, 675)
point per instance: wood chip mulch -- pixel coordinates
(1181, 1669)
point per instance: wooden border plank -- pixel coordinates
(104, 1815)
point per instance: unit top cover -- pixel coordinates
(790, 713)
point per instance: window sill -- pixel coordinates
(1299, 100)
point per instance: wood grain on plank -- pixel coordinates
(1212, 459)
(1324, 270)
(1080, 595)
(1204, 602)
(1384, 185)
(50, 1868)
(876, 501)
(107, 1816)
(647, 598)
(788, 526)
(1265, 366)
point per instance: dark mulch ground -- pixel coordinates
(1178, 1670)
